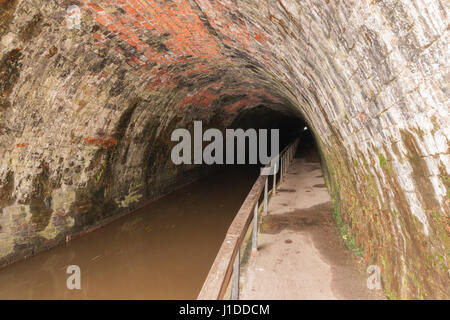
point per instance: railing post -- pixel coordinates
(287, 161)
(255, 230)
(235, 278)
(281, 168)
(266, 194)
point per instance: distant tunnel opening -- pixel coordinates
(289, 126)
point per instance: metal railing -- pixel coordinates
(227, 263)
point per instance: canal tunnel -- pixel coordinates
(91, 92)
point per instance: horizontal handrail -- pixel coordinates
(218, 279)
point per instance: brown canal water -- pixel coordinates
(162, 251)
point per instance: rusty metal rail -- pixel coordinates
(227, 263)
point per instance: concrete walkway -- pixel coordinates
(300, 254)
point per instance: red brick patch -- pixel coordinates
(106, 143)
(95, 7)
(98, 36)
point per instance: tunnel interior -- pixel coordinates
(289, 124)
(91, 93)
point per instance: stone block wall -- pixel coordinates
(86, 113)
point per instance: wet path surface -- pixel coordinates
(162, 251)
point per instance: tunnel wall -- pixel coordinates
(87, 113)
